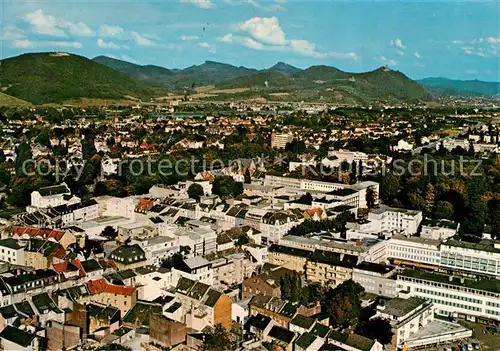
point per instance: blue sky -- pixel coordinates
(420, 38)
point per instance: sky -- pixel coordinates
(459, 40)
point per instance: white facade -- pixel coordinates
(482, 258)
(348, 156)
(389, 218)
(437, 231)
(453, 296)
(11, 252)
(414, 249)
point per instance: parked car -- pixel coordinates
(476, 346)
(470, 347)
(463, 347)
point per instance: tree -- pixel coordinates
(477, 211)
(371, 197)
(494, 206)
(376, 328)
(109, 232)
(248, 177)
(443, 210)
(291, 287)
(430, 197)
(195, 191)
(219, 339)
(226, 187)
(343, 303)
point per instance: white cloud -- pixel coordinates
(417, 55)
(22, 44)
(474, 51)
(188, 37)
(27, 44)
(141, 40)
(204, 4)
(400, 53)
(107, 44)
(265, 33)
(457, 42)
(107, 30)
(471, 71)
(397, 43)
(253, 44)
(11, 32)
(389, 62)
(211, 48)
(44, 24)
(78, 29)
(274, 7)
(228, 38)
(56, 27)
(493, 40)
(264, 29)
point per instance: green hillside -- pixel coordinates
(445, 86)
(49, 77)
(323, 83)
(7, 100)
(149, 73)
(284, 68)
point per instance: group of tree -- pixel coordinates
(226, 186)
(464, 190)
(337, 224)
(292, 289)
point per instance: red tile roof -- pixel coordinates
(62, 267)
(101, 286)
(144, 205)
(38, 232)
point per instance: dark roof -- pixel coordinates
(375, 267)
(91, 265)
(53, 190)
(281, 334)
(17, 336)
(212, 297)
(290, 251)
(305, 340)
(10, 243)
(303, 321)
(259, 321)
(360, 342)
(142, 312)
(320, 330)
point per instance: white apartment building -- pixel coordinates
(481, 258)
(51, 196)
(386, 218)
(453, 296)
(279, 140)
(406, 316)
(376, 278)
(348, 156)
(157, 248)
(354, 195)
(196, 269)
(11, 251)
(200, 240)
(438, 230)
(121, 207)
(416, 251)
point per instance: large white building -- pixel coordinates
(348, 156)
(414, 251)
(453, 296)
(414, 326)
(481, 258)
(438, 229)
(51, 196)
(386, 218)
(11, 251)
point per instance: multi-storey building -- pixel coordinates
(454, 296)
(415, 251)
(481, 258)
(386, 218)
(279, 140)
(379, 279)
